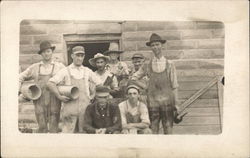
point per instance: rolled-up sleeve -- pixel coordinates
(27, 74)
(94, 78)
(59, 76)
(173, 76)
(140, 73)
(114, 83)
(123, 114)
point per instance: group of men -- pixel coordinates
(149, 91)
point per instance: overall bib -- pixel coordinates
(47, 107)
(161, 100)
(136, 119)
(73, 110)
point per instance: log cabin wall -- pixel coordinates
(196, 48)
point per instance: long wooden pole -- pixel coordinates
(189, 101)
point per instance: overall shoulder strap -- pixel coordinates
(69, 75)
(53, 67)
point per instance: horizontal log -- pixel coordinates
(199, 64)
(204, 120)
(193, 85)
(27, 117)
(208, 129)
(196, 34)
(210, 94)
(209, 25)
(202, 103)
(200, 72)
(30, 22)
(202, 112)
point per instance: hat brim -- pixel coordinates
(133, 86)
(138, 57)
(112, 51)
(52, 48)
(92, 61)
(149, 43)
(102, 94)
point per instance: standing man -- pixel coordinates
(138, 60)
(101, 117)
(47, 107)
(115, 66)
(107, 79)
(134, 113)
(118, 68)
(162, 86)
(78, 75)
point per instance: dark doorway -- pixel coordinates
(90, 50)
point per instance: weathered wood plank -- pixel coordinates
(206, 120)
(210, 94)
(202, 112)
(203, 103)
(199, 72)
(193, 85)
(210, 129)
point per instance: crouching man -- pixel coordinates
(134, 113)
(101, 117)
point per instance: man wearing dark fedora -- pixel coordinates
(162, 86)
(47, 107)
(102, 117)
(75, 74)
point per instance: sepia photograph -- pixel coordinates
(125, 79)
(121, 77)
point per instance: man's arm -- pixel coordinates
(87, 126)
(53, 88)
(25, 74)
(174, 82)
(52, 85)
(140, 73)
(116, 121)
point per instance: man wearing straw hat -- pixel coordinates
(80, 76)
(117, 67)
(108, 79)
(102, 117)
(47, 107)
(162, 86)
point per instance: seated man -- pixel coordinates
(101, 117)
(134, 113)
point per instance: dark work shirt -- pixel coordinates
(96, 117)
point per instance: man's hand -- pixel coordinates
(103, 130)
(100, 131)
(133, 131)
(64, 98)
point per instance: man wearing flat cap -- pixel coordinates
(80, 76)
(134, 113)
(102, 117)
(162, 86)
(138, 60)
(47, 107)
(107, 78)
